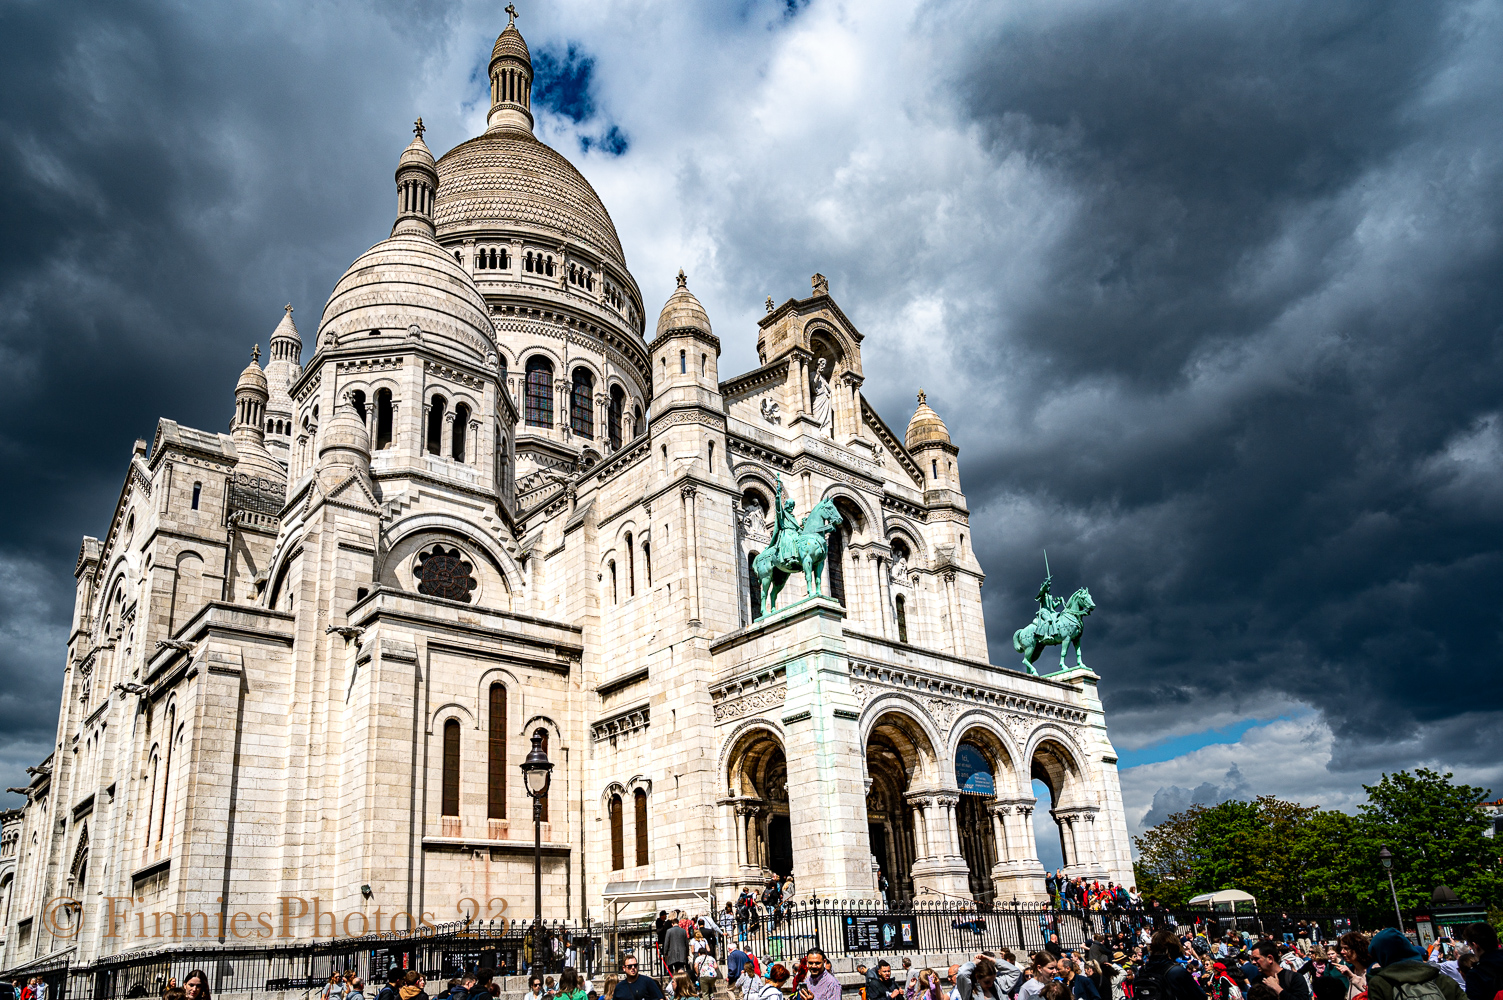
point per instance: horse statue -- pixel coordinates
(1054, 628)
(795, 545)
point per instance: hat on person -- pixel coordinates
(1390, 945)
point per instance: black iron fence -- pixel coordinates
(855, 930)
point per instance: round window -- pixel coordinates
(444, 572)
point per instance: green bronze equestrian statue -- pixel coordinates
(795, 545)
(1056, 624)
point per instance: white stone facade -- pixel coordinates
(309, 654)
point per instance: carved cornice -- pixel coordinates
(872, 679)
(630, 720)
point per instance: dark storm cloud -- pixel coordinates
(1270, 357)
(173, 175)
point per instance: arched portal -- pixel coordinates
(896, 752)
(982, 772)
(1054, 765)
(759, 797)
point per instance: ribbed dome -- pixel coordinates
(343, 434)
(417, 153)
(925, 427)
(510, 43)
(404, 281)
(286, 329)
(682, 311)
(510, 180)
(253, 379)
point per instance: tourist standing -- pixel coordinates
(635, 986)
(196, 985)
(1162, 977)
(821, 983)
(879, 983)
(569, 985)
(676, 949)
(1288, 984)
(1402, 968)
(1486, 977)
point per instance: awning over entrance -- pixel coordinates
(658, 892)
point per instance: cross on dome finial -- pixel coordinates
(287, 308)
(511, 14)
(256, 354)
(683, 279)
(769, 303)
(921, 397)
(418, 129)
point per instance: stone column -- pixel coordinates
(446, 442)
(472, 444)
(1018, 872)
(691, 550)
(561, 405)
(602, 422)
(957, 634)
(942, 872)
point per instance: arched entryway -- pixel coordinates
(975, 776)
(896, 753)
(1053, 764)
(759, 799)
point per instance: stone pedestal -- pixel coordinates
(827, 810)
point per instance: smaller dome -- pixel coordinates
(925, 427)
(417, 153)
(343, 438)
(510, 43)
(287, 329)
(253, 379)
(682, 311)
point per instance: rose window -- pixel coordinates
(446, 573)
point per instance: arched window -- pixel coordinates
(618, 837)
(539, 392)
(461, 428)
(357, 400)
(683, 362)
(436, 410)
(548, 267)
(505, 259)
(613, 416)
(198, 489)
(641, 826)
(582, 413)
(151, 802)
(495, 796)
(451, 768)
(458, 257)
(501, 361)
(647, 562)
(902, 619)
(383, 418)
(615, 597)
(631, 568)
(636, 421)
(527, 262)
(753, 585)
(835, 560)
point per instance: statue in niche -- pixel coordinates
(824, 408)
(754, 521)
(899, 567)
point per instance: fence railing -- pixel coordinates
(852, 929)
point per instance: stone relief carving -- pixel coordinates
(770, 410)
(756, 701)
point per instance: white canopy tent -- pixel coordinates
(1226, 899)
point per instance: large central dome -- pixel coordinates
(507, 179)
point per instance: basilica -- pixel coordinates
(498, 503)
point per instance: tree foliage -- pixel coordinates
(1289, 855)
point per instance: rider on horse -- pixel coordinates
(1049, 605)
(784, 521)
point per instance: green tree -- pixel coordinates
(1434, 831)
(1165, 869)
(1327, 853)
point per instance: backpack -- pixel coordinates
(1149, 986)
(1419, 991)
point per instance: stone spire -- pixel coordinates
(417, 183)
(511, 80)
(286, 343)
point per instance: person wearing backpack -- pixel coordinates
(1162, 977)
(1403, 973)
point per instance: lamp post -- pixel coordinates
(537, 773)
(1387, 861)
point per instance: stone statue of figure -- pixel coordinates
(754, 522)
(824, 409)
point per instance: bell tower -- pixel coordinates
(511, 80)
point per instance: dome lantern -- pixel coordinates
(417, 186)
(511, 80)
(286, 343)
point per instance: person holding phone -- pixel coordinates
(821, 983)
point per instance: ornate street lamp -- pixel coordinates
(537, 773)
(1386, 859)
